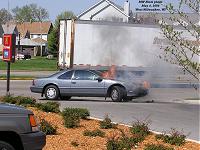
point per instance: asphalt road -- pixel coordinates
(168, 110)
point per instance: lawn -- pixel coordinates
(35, 64)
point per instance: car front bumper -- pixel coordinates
(137, 92)
(36, 89)
(33, 141)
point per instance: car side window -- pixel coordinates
(84, 75)
(66, 76)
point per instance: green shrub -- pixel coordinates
(107, 123)
(81, 112)
(25, 101)
(94, 133)
(19, 100)
(9, 99)
(49, 107)
(72, 116)
(157, 147)
(140, 129)
(71, 121)
(47, 128)
(121, 143)
(174, 138)
(74, 143)
(112, 144)
(126, 143)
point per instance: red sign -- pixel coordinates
(7, 40)
(9, 47)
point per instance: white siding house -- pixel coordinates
(108, 11)
(34, 36)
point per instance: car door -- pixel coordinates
(64, 82)
(86, 83)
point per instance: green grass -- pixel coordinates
(35, 64)
(13, 77)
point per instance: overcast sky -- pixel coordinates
(55, 7)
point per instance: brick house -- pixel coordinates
(32, 36)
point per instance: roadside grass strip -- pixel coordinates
(34, 64)
(4, 77)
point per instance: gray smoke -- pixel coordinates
(134, 47)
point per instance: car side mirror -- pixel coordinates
(99, 79)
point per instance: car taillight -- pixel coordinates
(33, 82)
(33, 123)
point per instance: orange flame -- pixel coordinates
(146, 85)
(110, 74)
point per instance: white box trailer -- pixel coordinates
(97, 43)
(104, 44)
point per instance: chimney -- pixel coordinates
(127, 7)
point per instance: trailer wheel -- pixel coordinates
(51, 92)
(5, 146)
(117, 94)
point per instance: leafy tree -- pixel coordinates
(184, 47)
(30, 13)
(64, 15)
(53, 40)
(5, 16)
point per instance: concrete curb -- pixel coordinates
(197, 102)
(190, 140)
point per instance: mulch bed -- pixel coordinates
(62, 140)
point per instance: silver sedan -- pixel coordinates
(86, 83)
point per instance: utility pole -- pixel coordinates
(18, 49)
(41, 34)
(8, 63)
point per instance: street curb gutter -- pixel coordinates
(190, 140)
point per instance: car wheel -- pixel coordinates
(5, 146)
(65, 97)
(117, 94)
(51, 92)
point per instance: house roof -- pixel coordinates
(34, 27)
(117, 7)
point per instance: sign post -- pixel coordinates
(9, 42)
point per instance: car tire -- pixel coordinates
(6, 146)
(51, 92)
(117, 94)
(65, 97)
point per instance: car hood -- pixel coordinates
(13, 109)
